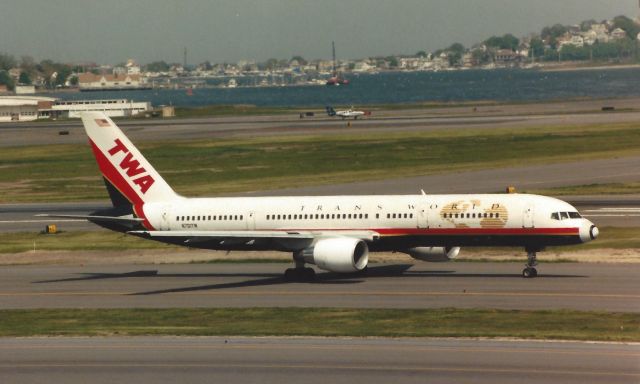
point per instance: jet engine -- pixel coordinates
(341, 255)
(433, 254)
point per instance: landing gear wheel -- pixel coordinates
(300, 274)
(529, 272)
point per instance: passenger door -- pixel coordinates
(422, 216)
(527, 217)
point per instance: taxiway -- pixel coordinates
(313, 360)
(578, 286)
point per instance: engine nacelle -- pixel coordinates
(433, 254)
(340, 254)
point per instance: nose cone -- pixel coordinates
(588, 231)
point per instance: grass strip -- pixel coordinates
(548, 324)
(610, 237)
(69, 173)
(592, 189)
(75, 241)
(230, 110)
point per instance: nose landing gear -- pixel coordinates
(530, 271)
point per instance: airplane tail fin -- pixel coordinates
(130, 179)
(330, 111)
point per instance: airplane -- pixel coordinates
(334, 233)
(346, 113)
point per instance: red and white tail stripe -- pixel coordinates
(122, 164)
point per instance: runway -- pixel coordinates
(313, 360)
(583, 112)
(578, 286)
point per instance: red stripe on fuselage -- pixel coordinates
(451, 231)
(115, 178)
(477, 231)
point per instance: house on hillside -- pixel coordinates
(92, 82)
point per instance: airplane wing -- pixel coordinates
(290, 239)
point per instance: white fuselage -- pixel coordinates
(401, 221)
(349, 113)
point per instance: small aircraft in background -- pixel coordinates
(346, 113)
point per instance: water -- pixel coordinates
(415, 87)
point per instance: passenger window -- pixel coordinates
(456, 215)
(394, 215)
(497, 215)
(468, 215)
(388, 215)
(377, 215)
(366, 215)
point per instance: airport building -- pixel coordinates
(29, 108)
(24, 108)
(112, 108)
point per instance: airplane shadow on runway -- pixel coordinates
(267, 279)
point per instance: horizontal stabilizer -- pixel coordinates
(96, 218)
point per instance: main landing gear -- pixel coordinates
(300, 273)
(530, 271)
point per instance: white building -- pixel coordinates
(618, 33)
(112, 108)
(575, 40)
(132, 67)
(23, 108)
(25, 89)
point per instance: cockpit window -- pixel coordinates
(565, 215)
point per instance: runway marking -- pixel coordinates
(324, 347)
(519, 371)
(330, 293)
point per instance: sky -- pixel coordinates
(112, 31)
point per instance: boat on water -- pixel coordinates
(336, 78)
